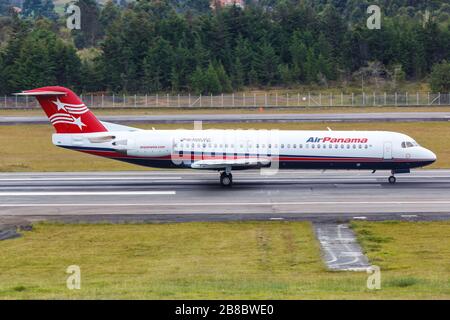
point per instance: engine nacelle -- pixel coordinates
(148, 147)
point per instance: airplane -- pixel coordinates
(226, 150)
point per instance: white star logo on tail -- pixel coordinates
(70, 108)
(78, 122)
(59, 118)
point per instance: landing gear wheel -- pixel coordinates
(392, 179)
(226, 179)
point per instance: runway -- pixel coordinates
(260, 117)
(185, 195)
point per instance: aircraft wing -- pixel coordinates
(242, 163)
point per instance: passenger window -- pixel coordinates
(313, 146)
(318, 146)
(282, 146)
(342, 146)
(294, 146)
(403, 144)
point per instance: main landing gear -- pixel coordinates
(226, 178)
(392, 179)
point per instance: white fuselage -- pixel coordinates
(291, 149)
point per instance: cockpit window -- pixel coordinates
(409, 144)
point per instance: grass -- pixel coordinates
(408, 251)
(233, 260)
(162, 111)
(29, 148)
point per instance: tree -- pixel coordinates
(44, 60)
(197, 81)
(91, 28)
(158, 66)
(39, 8)
(212, 81)
(440, 77)
(266, 63)
(224, 79)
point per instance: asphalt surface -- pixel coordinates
(185, 195)
(260, 117)
(340, 248)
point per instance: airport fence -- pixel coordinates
(242, 100)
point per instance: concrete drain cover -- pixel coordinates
(340, 248)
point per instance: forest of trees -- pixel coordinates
(182, 46)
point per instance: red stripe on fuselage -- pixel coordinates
(117, 155)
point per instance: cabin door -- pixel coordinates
(387, 151)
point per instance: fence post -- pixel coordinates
(16, 102)
(320, 99)
(254, 99)
(265, 100)
(428, 94)
(353, 99)
(374, 99)
(439, 98)
(287, 99)
(124, 99)
(92, 100)
(243, 97)
(385, 99)
(233, 99)
(309, 99)
(211, 102)
(113, 100)
(179, 103)
(363, 98)
(396, 98)
(222, 100)
(342, 99)
(135, 97)
(276, 99)
(157, 100)
(189, 99)
(26, 101)
(6, 102)
(331, 99)
(298, 99)
(407, 98)
(103, 100)
(417, 97)
(146, 100)
(200, 100)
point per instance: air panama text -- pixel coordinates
(337, 140)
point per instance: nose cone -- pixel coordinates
(430, 156)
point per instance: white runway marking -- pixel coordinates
(90, 178)
(191, 203)
(86, 193)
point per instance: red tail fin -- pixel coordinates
(65, 110)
